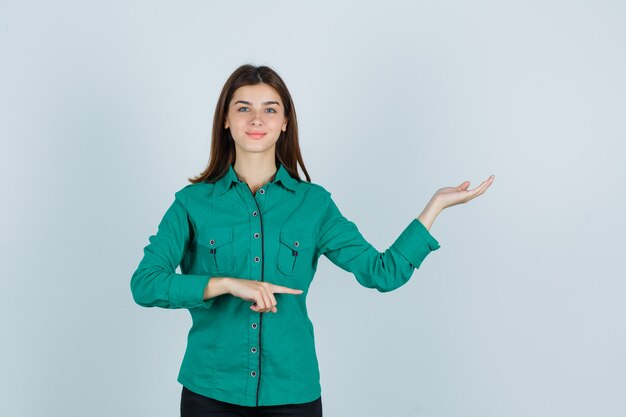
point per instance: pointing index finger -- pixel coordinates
(285, 290)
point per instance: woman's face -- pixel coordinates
(255, 117)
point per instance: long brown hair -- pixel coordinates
(222, 144)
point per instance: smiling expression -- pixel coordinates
(256, 117)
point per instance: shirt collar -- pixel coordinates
(282, 175)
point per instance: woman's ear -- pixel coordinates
(226, 124)
(284, 126)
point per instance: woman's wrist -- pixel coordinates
(430, 213)
(215, 287)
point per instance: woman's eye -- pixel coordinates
(271, 110)
(243, 109)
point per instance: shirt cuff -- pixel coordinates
(187, 291)
(415, 243)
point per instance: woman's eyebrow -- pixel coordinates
(265, 103)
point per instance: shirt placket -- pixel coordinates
(255, 319)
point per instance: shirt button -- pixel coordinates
(253, 374)
(257, 259)
(296, 243)
(212, 242)
(256, 235)
(254, 213)
(261, 191)
(253, 350)
(253, 325)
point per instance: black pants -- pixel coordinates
(196, 405)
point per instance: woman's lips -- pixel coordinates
(255, 135)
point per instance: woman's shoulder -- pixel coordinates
(195, 191)
(314, 189)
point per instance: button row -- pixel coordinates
(256, 259)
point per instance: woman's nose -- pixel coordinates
(256, 119)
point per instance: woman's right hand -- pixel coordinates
(260, 293)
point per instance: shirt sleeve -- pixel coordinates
(155, 282)
(342, 243)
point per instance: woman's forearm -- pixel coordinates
(216, 286)
(429, 214)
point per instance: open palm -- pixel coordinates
(451, 196)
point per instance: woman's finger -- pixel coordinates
(482, 187)
(265, 288)
(267, 300)
(486, 184)
(273, 301)
(284, 290)
(260, 301)
(478, 190)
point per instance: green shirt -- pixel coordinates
(277, 235)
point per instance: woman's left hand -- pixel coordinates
(451, 196)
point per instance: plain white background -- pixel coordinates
(106, 110)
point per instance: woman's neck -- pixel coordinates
(255, 173)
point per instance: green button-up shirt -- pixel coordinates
(277, 235)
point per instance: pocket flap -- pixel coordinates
(296, 239)
(219, 237)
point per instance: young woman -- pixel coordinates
(247, 234)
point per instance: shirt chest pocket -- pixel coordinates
(220, 255)
(295, 251)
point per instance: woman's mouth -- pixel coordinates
(255, 135)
